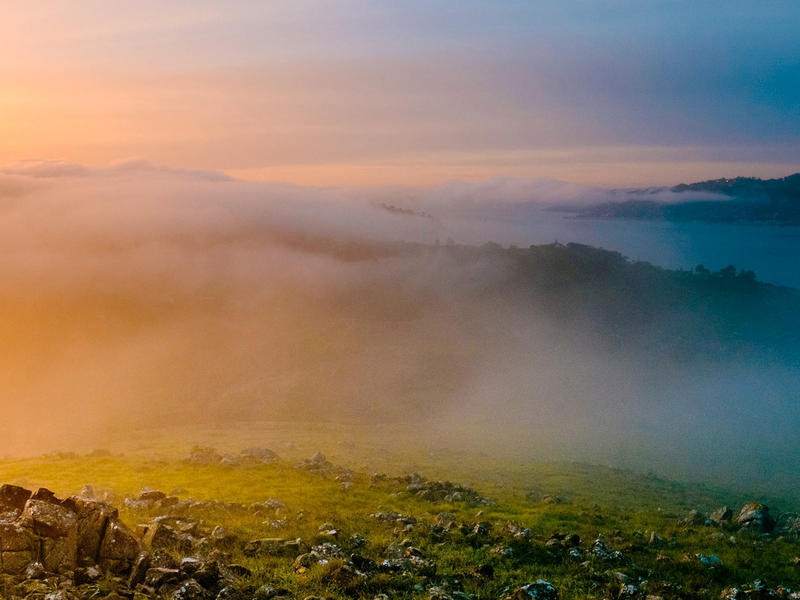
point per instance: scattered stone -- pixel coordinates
(538, 590)
(443, 491)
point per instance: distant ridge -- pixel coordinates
(746, 187)
(741, 199)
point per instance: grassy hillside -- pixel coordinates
(479, 556)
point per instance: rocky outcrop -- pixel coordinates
(61, 535)
(755, 516)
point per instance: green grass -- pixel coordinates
(620, 506)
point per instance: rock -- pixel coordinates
(538, 590)
(230, 461)
(229, 592)
(551, 499)
(119, 548)
(303, 562)
(13, 497)
(139, 569)
(57, 525)
(208, 574)
(148, 495)
(601, 551)
(267, 592)
(159, 576)
(443, 491)
(317, 464)
(84, 575)
(15, 562)
(35, 570)
(200, 455)
(692, 519)
(721, 515)
(788, 525)
(49, 519)
(238, 570)
(15, 538)
(189, 590)
(222, 537)
(755, 516)
(93, 518)
(61, 595)
(59, 555)
(160, 535)
(708, 560)
(344, 576)
(261, 455)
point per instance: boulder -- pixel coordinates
(15, 562)
(261, 455)
(692, 519)
(93, 518)
(59, 554)
(721, 515)
(189, 590)
(159, 576)
(49, 519)
(57, 526)
(139, 569)
(788, 524)
(160, 535)
(13, 497)
(755, 516)
(119, 548)
(200, 455)
(15, 538)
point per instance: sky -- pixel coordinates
(359, 92)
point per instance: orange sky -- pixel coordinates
(353, 93)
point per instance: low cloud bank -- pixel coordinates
(137, 292)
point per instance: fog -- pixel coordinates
(137, 295)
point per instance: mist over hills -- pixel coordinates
(138, 295)
(737, 200)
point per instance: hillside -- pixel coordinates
(287, 522)
(738, 200)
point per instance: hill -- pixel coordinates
(739, 200)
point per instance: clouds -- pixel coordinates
(395, 93)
